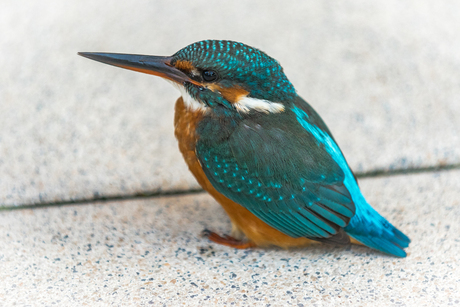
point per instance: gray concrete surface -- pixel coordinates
(149, 253)
(383, 74)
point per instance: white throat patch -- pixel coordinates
(243, 105)
(247, 104)
(189, 101)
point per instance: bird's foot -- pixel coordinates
(227, 240)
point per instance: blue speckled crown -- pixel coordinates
(238, 63)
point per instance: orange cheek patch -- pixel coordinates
(231, 94)
(184, 65)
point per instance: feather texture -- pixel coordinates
(278, 171)
(287, 170)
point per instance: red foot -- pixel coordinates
(227, 240)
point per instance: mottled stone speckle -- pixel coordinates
(149, 252)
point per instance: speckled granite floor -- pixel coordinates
(149, 252)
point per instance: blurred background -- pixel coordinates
(384, 75)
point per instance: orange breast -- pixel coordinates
(256, 230)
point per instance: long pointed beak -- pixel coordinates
(153, 65)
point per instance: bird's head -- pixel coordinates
(224, 77)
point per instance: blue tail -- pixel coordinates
(373, 230)
(367, 226)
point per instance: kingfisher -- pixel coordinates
(262, 151)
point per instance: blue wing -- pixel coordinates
(276, 169)
(287, 169)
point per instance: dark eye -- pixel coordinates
(209, 75)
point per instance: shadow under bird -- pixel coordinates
(262, 151)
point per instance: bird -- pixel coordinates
(262, 151)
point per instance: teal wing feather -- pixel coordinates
(277, 170)
(315, 119)
(367, 225)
